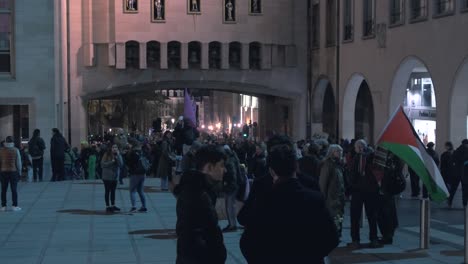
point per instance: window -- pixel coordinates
(369, 18)
(443, 7)
(396, 12)
(316, 26)
(255, 55)
(5, 35)
(235, 55)
(418, 9)
(173, 54)
(331, 19)
(214, 51)
(194, 54)
(132, 54)
(153, 54)
(464, 5)
(348, 20)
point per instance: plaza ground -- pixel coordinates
(65, 222)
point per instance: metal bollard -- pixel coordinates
(425, 222)
(466, 235)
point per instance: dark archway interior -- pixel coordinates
(364, 114)
(328, 109)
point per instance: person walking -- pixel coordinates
(10, 169)
(199, 238)
(138, 166)
(36, 148)
(111, 163)
(58, 145)
(332, 184)
(460, 157)
(447, 165)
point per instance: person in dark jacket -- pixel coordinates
(58, 145)
(137, 177)
(304, 231)
(435, 156)
(257, 166)
(364, 192)
(460, 157)
(447, 165)
(36, 148)
(199, 238)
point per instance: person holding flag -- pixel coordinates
(400, 138)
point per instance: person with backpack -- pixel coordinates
(138, 165)
(166, 160)
(36, 148)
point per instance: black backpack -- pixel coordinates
(143, 164)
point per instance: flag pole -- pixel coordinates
(425, 223)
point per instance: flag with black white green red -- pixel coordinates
(400, 138)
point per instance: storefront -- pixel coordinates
(420, 106)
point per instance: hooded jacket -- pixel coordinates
(10, 158)
(199, 237)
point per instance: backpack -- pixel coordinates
(143, 165)
(34, 149)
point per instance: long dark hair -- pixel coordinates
(108, 155)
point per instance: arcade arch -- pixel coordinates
(459, 105)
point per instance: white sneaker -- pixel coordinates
(3, 209)
(16, 208)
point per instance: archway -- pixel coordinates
(413, 88)
(364, 114)
(458, 105)
(323, 108)
(349, 105)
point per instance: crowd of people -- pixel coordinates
(293, 194)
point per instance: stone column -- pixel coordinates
(245, 56)
(120, 56)
(163, 55)
(205, 65)
(143, 55)
(266, 57)
(184, 56)
(225, 56)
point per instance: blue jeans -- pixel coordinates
(9, 178)
(137, 182)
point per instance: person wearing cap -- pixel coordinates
(10, 169)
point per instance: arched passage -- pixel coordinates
(364, 114)
(323, 108)
(459, 105)
(412, 87)
(349, 105)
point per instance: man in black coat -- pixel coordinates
(58, 145)
(294, 225)
(199, 238)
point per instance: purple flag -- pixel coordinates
(190, 109)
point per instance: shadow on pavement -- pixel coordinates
(156, 233)
(346, 255)
(86, 212)
(452, 253)
(147, 189)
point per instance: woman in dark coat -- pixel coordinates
(166, 160)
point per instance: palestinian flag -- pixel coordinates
(400, 138)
